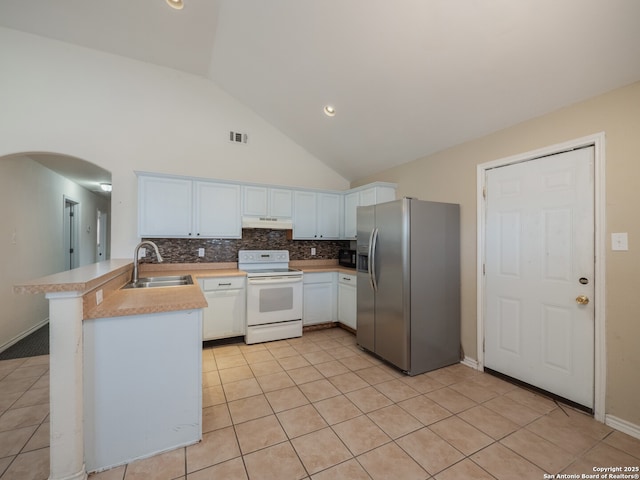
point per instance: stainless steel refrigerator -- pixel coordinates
(408, 267)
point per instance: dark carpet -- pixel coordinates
(32, 345)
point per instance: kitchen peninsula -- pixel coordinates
(125, 374)
(116, 347)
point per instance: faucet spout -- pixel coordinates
(135, 257)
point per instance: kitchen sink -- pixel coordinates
(164, 281)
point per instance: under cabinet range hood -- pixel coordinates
(267, 222)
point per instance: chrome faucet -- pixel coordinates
(134, 279)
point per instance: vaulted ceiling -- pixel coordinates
(407, 77)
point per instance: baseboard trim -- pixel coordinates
(622, 425)
(19, 337)
(470, 362)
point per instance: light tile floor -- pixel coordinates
(319, 408)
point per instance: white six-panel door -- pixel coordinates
(539, 264)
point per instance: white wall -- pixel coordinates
(125, 115)
(32, 237)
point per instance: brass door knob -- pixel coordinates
(582, 299)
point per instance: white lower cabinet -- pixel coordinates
(319, 298)
(226, 314)
(347, 294)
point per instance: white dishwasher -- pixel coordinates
(226, 314)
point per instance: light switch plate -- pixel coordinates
(620, 241)
(201, 252)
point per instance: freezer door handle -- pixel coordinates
(372, 259)
(369, 259)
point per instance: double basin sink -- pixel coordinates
(163, 281)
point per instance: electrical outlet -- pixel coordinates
(313, 251)
(99, 297)
(143, 252)
(201, 252)
(620, 241)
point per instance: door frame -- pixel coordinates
(598, 142)
(102, 235)
(71, 239)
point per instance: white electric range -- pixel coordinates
(274, 295)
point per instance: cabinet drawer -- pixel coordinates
(322, 277)
(347, 279)
(221, 283)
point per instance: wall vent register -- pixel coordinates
(238, 137)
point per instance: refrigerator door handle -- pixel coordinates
(372, 259)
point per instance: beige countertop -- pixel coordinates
(76, 280)
(313, 266)
(121, 302)
(111, 275)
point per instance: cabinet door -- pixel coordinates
(319, 303)
(347, 305)
(280, 203)
(304, 215)
(164, 207)
(329, 218)
(218, 210)
(254, 201)
(385, 194)
(351, 202)
(225, 316)
(368, 197)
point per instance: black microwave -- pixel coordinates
(347, 258)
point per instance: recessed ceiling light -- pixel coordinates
(177, 4)
(329, 111)
(106, 187)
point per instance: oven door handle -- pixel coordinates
(275, 280)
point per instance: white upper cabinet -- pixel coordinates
(316, 215)
(329, 215)
(368, 195)
(217, 210)
(164, 207)
(183, 208)
(351, 203)
(259, 201)
(304, 214)
(254, 201)
(280, 203)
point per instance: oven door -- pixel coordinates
(274, 299)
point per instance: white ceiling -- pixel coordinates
(407, 77)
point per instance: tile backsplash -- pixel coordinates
(185, 250)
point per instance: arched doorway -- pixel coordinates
(36, 190)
